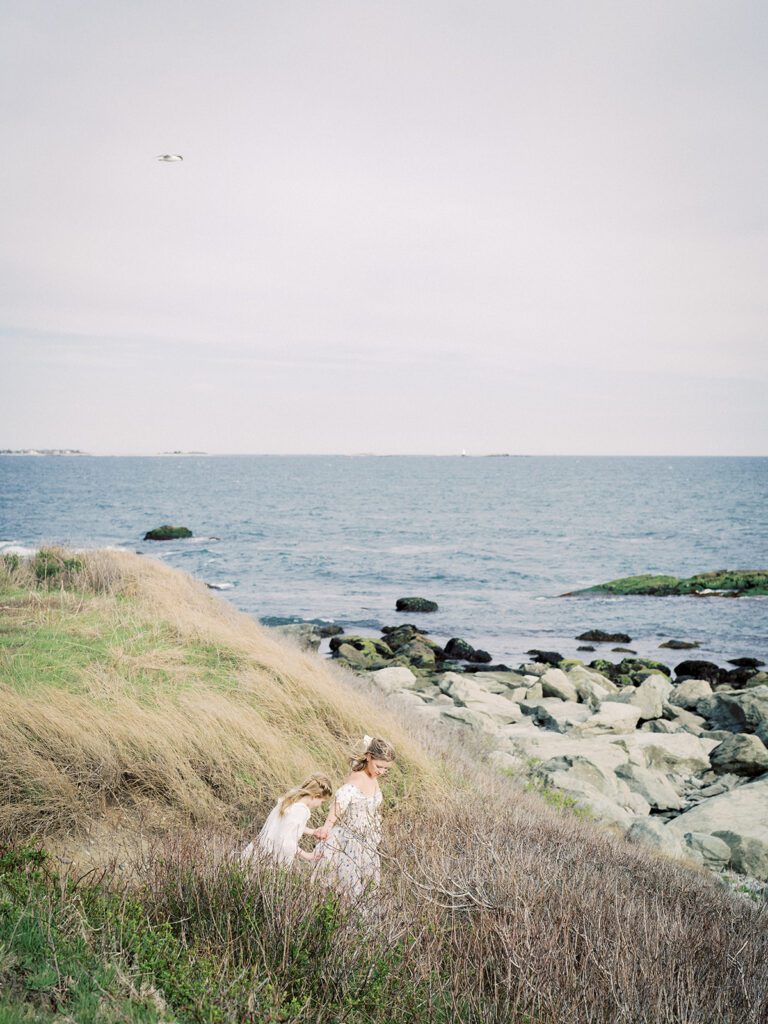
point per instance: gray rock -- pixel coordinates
(681, 753)
(648, 697)
(555, 683)
(691, 723)
(651, 832)
(398, 677)
(741, 754)
(534, 692)
(562, 715)
(661, 725)
(740, 818)
(611, 718)
(652, 786)
(534, 668)
(736, 710)
(688, 694)
(709, 851)
(749, 855)
(302, 634)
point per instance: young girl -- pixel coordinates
(286, 823)
(352, 831)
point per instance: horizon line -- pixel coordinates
(58, 452)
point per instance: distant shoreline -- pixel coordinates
(76, 453)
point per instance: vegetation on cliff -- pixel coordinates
(146, 728)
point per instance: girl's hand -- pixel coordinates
(317, 853)
(322, 833)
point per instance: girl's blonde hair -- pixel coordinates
(317, 785)
(379, 749)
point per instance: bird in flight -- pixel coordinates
(170, 158)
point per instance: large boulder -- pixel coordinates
(736, 710)
(419, 654)
(651, 832)
(362, 660)
(555, 683)
(561, 715)
(396, 677)
(648, 697)
(688, 694)
(470, 694)
(740, 819)
(652, 786)
(709, 851)
(742, 754)
(599, 637)
(459, 649)
(684, 719)
(545, 657)
(611, 718)
(680, 753)
(415, 604)
(303, 634)
(592, 788)
(699, 670)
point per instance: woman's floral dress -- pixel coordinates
(351, 861)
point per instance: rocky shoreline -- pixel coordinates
(675, 758)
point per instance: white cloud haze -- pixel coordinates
(399, 226)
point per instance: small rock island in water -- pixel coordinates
(723, 583)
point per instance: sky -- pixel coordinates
(399, 227)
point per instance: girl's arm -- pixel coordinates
(312, 857)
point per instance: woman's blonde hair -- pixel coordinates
(379, 749)
(317, 785)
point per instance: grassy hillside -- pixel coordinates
(146, 726)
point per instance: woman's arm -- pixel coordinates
(330, 821)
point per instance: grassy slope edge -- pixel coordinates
(147, 725)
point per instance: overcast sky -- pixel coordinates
(418, 226)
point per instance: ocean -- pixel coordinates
(494, 540)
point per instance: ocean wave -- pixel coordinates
(12, 548)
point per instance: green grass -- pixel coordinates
(196, 955)
(75, 638)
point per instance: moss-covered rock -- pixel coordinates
(599, 636)
(415, 604)
(742, 582)
(168, 533)
(367, 645)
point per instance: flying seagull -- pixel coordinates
(170, 158)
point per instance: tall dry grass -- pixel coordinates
(148, 726)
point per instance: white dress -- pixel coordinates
(351, 860)
(279, 838)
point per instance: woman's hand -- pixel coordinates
(322, 833)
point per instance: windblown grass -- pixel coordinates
(126, 684)
(165, 704)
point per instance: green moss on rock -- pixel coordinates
(168, 533)
(738, 581)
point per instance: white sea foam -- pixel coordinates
(11, 548)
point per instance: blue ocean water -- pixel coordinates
(493, 540)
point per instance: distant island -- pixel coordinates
(41, 451)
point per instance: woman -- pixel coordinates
(352, 831)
